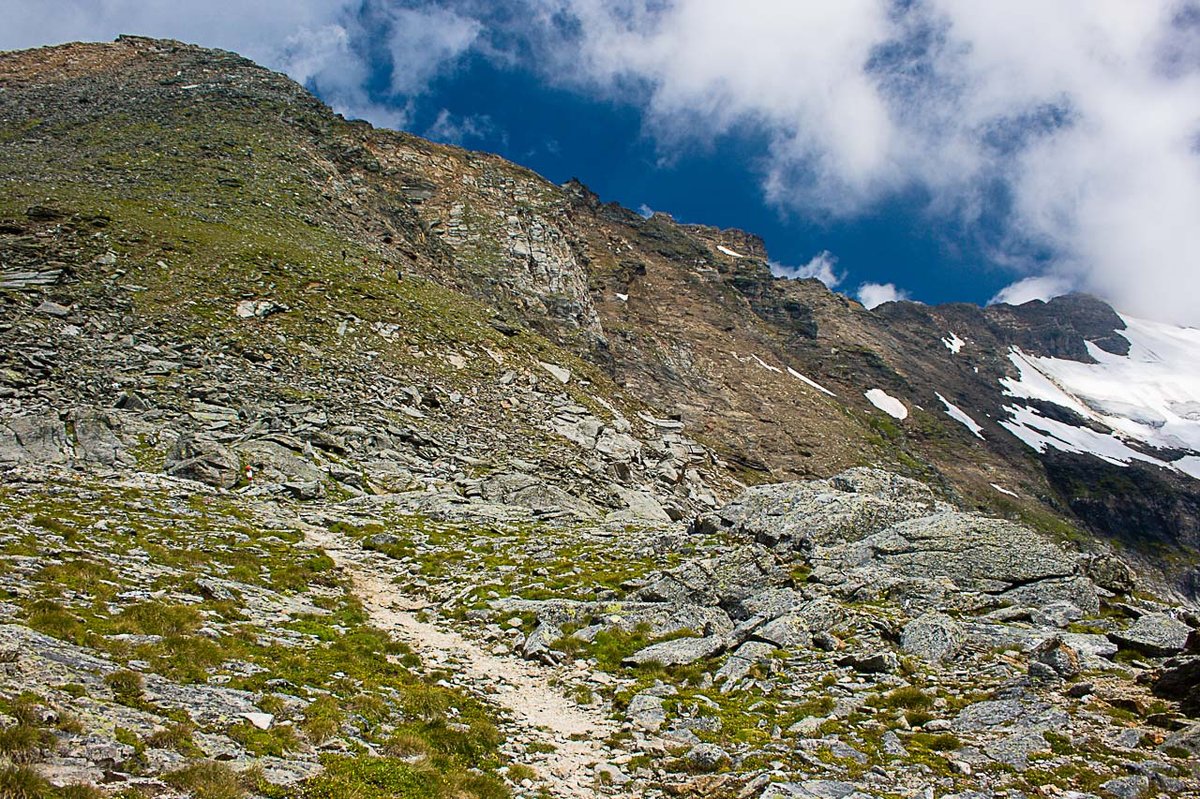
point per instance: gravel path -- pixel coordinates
(536, 711)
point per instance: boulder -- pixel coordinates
(874, 663)
(677, 652)
(203, 460)
(1155, 634)
(706, 757)
(814, 789)
(933, 637)
(646, 712)
(1179, 679)
(991, 556)
(848, 507)
(1059, 657)
(739, 663)
(36, 438)
(1131, 787)
(95, 439)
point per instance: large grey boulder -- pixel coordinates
(36, 438)
(1155, 634)
(677, 652)
(990, 556)
(798, 627)
(545, 500)
(1057, 656)
(739, 663)
(277, 463)
(815, 789)
(848, 507)
(204, 460)
(95, 439)
(932, 636)
(725, 581)
(646, 712)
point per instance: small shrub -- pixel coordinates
(48, 617)
(322, 720)
(369, 778)
(177, 737)
(22, 743)
(159, 618)
(427, 703)
(944, 742)
(909, 697)
(126, 685)
(53, 525)
(207, 779)
(918, 718)
(407, 746)
(519, 772)
(21, 782)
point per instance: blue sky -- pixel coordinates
(950, 150)
(563, 134)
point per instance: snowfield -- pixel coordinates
(1150, 397)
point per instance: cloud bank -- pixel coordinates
(821, 266)
(873, 294)
(1061, 139)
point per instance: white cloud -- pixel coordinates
(1075, 121)
(1041, 287)
(873, 294)
(459, 130)
(821, 266)
(423, 41)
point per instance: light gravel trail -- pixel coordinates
(538, 712)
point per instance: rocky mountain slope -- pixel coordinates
(341, 463)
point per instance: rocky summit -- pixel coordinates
(339, 463)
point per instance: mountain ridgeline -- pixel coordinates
(262, 367)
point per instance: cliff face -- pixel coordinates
(261, 369)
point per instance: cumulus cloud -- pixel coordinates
(460, 130)
(873, 294)
(1069, 128)
(821, 266)
(1041, 287)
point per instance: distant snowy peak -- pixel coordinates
(1150, 397)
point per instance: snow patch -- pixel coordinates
(1042, 433)
(1004, 490)
(623, 297)
(810, 382)
(959, 415)
(729, 252)
(887, 403)
(953, 343)
(1189, 465)
(766, 365)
